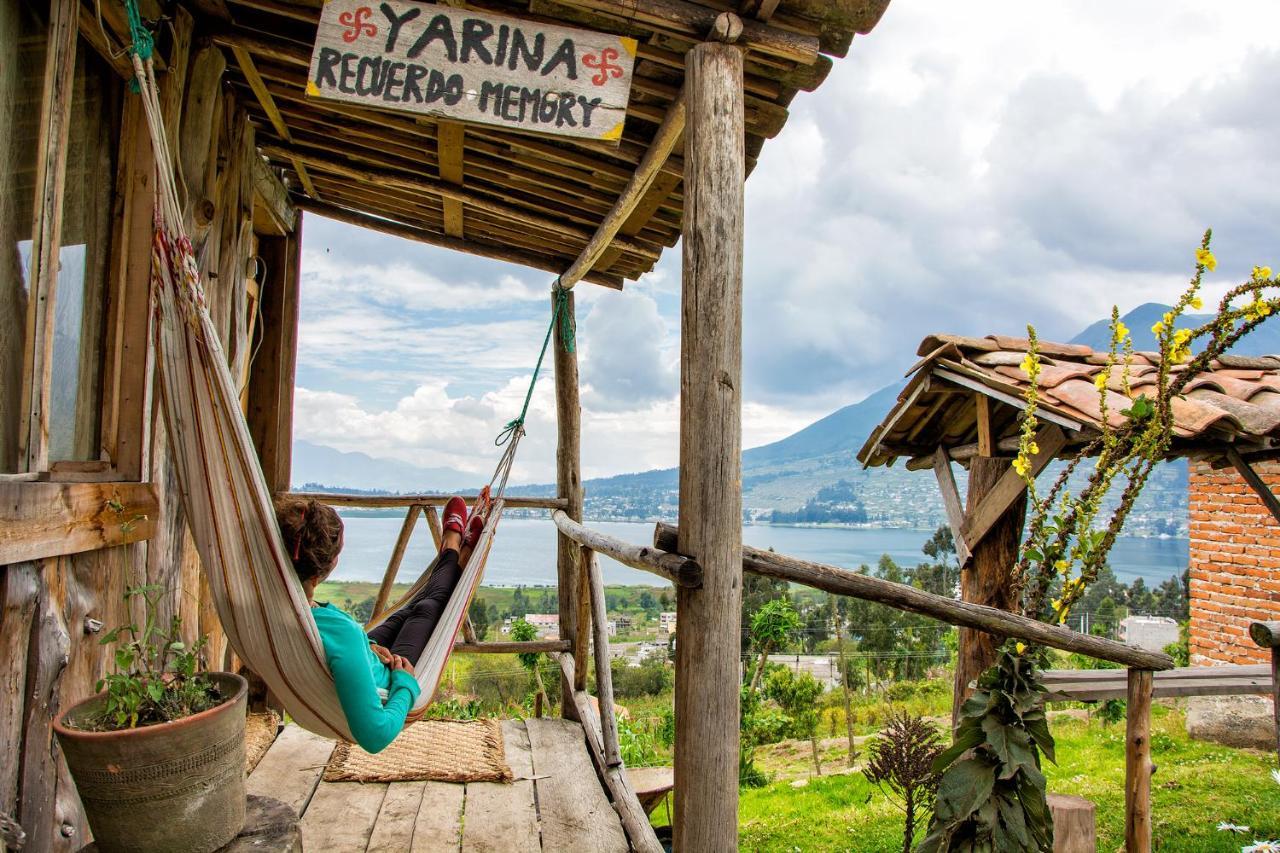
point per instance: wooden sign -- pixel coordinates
(472, 66)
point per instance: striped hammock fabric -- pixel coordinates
(258, 596)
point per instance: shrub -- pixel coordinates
(649, 678)
(901, 765)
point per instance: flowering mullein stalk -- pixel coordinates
(1063, 549)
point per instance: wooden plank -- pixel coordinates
(450, 143)
(681, 571)
(512, 647)
(342, 815)
(268, 103)
(439, 825)
(1137, 763)
(19, 594)
(664, 142)
(841, 581)
(397, 820)
(995, 503)
(1055, 677)
(707, 655)
(291, 769)
(503, 817)
(574, 812)
(393, 564)
(50, 519)
(549, 95)
(278, 214)
(271, 372)
(951, 501)
(384, 501)
(433, 524)
(1100, 691)
(50, 181)
(986, 446)
(1260, 488)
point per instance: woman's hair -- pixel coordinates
(312, 535)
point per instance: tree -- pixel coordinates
(942, 576)
(648, 603)
(757, 591)
(522, 631)
(1140, 599)
(771, 627)
(901, 765)
(837, 621)
(798, 696)
(479, 617)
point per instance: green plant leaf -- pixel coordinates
(966, 739)
(965, 786)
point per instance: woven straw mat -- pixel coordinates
(431, 750)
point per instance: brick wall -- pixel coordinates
(1235, 563)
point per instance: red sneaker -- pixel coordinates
(472, 536)
(455, 514)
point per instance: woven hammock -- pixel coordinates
(258, 596)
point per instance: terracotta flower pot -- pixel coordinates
(169, 787)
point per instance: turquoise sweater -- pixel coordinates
(358, 676)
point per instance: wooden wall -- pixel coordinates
(51, 608)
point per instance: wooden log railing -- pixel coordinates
(681, 571)
(392, 501)
(962, 613)
(1267, 635)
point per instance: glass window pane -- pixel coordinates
(76, 395)
(21, 27)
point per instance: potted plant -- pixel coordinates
(158, 754)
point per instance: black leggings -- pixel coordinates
(407, 631)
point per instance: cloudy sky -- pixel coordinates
(968, 168)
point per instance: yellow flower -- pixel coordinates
(1033, 449)
(1157, 329)
(1062, 618)
(1122, 331)
(1206, 259)
(1261, 272)
(1030, 365)
(1100, 381)
(1021, 465)
(1062, 566)
(1182, 336)
(1020, 647)
(1196, 303)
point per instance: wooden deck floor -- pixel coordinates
(556, 802)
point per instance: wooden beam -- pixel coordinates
(385, 501)
(1260, 488)
(39, 520)
(606, 236)
(681, 571)
(512, 648)
(951, 501)
(573, 605)
(393, 564)
(271, 197)
(709, 619)
(451, 143)
(986, 444)
(943, 608)
(696, 21)
(1137, 763)
(634, 820)
(271, 373)
(1009, 399)
(604, 675)
(421, 235)
(981, 518)
(50, 181)
(1267, 635)
(268, 104)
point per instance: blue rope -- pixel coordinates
(560, 320)
(143, 44)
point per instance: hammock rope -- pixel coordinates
(561, 320)
(259, 599)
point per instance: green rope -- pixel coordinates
(560, 320)
(143, 44)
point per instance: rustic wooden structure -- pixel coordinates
(1267, 635)
(90, 501)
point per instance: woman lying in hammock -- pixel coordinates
(361, 664)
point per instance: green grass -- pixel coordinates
(1196, 786)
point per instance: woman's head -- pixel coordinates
(312, 536)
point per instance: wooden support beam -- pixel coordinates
(430, 501)
(604, 675)
(986, 445)
(437, 531)
(512, 648)
(840, 581)
(1009, 399)
(393, 564)
(50, 181)
(681, 571)
(606, 236)
(570, 566)
(39, 520)
(421, 235)
(268, 104)
(273, 211)
(451, 143)
(951, 501)
(634, 820)
(1267, 635)
(1010, 487)
(696, 21)
(709, 619)
(1260, 488)
(1137, 763)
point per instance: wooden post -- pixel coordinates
(1137, 763)
(1267, 635)
(393, 565)
(569, 488)
(709, 619)
(604, 676)
(986, 579)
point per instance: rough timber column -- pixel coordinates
(569, 487)
(709, 619)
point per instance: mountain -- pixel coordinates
(1264, 340)
(833, 434)
(320, 465)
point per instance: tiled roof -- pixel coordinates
(1236, 402)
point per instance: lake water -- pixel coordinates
(524, 550)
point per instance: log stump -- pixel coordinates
(269, 827)
(1074, 824)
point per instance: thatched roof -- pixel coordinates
(1234, 404)
(557, 191)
